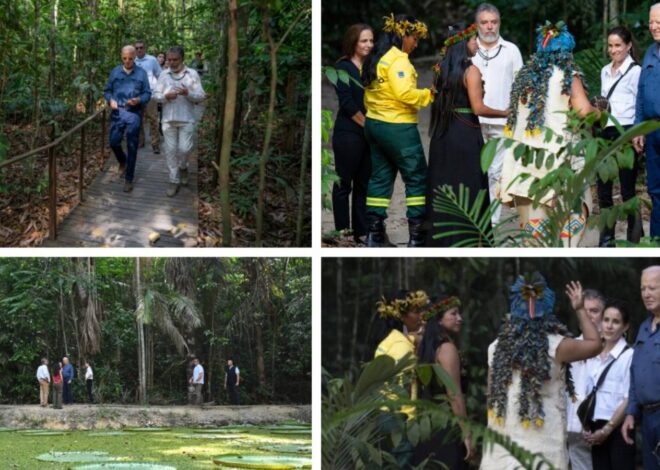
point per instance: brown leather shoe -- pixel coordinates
(121, 170)
(128, 187)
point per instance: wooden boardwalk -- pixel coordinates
(109, 217)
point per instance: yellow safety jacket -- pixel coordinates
(396, 345)
(393, 96)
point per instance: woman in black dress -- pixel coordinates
(456, 139)
(352, 158)
(437, 347)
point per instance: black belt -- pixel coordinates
(651, 407)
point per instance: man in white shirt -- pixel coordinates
(197, 380)
(579, 452)
(89, 381)
(150, 65)
(43, 376)
(178, 89)
(498, 61)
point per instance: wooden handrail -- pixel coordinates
(52, 165)
(54, 143)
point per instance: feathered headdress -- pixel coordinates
(438, 308)
(405, 27)
(530, 297)
(399, 307)
(554, 38)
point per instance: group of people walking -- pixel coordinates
(134, 90)
(482, 90)
(61, 377)
(538, 375)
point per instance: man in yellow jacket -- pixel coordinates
(392, 100)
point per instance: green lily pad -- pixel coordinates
(289, 427)
(107, 433)
(290, 432)
(211, 436)
(267, 462)
(147, 429)
(41, 432)
(124, 466)
(75, 457)
(288, 448)
(7, 429)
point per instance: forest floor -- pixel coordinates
(397, 225)
(119, 416)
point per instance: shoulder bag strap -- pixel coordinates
(603, 374)
(609, 93)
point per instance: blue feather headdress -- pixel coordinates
(554, 38)
(531, 298)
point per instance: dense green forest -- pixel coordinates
(138, 321)
(352, 286)
(55, 58)
(587, 20)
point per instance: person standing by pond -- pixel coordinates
(392, 100)
(232, 381)
(126, 92)
(68, 374)
(197, 381)
(350, 147)
(89, 381)
(43, 376)
(58, 384)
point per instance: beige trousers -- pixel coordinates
(43, 392)
(150, 113)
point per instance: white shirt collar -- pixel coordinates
(624, 66)
(618, 348)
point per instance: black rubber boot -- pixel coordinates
(417, 232)
(607, 239)
(635, 228)
(376, 235)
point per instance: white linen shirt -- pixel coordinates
(42, 373)
(89, 374)
(182, 108)
(198, 370)
(150, 65)
(624, 96)
(614, 388)
(498, 74)
(579, 376)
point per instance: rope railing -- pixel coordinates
(52, 164)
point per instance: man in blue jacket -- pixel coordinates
(648, 107)
(67, 375)
(127, 93)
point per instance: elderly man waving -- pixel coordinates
(178, 88)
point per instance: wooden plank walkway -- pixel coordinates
(109, 217)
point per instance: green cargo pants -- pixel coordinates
(395, 147)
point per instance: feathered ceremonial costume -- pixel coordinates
(540, 99)
(526, 393)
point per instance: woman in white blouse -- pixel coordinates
(609, 451)
(619, 83)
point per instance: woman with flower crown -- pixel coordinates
(396, 333)
(528, 377)
(456, 139)
(445, 449)
(545, 89)
(392, 100)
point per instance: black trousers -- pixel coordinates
(627, 178)
(233, 394)
(353, 166)
(614, 453)
(89, 383)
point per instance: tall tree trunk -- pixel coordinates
(222, 22)
(303, 173)
(357, 297)
(340, 320)
(36, 77)
(228, 124)
(259, 347)
(142, 393)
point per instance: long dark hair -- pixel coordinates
(625, 34)
(434, 335)
(384, 326)
(449, 83)
(351, 38)
(384, 44)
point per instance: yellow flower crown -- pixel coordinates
(399, 307)
(405, 27)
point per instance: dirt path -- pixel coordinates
(118, 416)
(397, 225)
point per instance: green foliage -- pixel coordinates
(328, 174)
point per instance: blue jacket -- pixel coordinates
(644, 369)
(648, 97)
(123, 86)
(67, 372)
